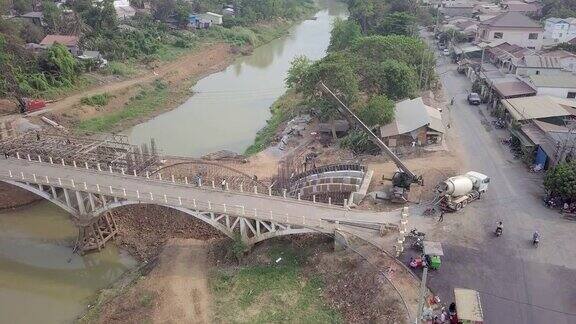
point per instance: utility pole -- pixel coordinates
(422, 295)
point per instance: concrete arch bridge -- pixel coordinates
(90, 194)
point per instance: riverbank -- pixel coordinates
(136, 97)
(296, 279)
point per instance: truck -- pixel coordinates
(456, 192)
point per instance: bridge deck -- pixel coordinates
(154, 191)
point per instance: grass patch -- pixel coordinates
(283, 109)
(271, 294)
(122, 69)
(100, 100)
(148, 100)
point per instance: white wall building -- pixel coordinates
(561, 85)
(513, 28)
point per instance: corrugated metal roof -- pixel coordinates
(513, 88)
(539, 61)
(561, 80)
(411, 114)
(511, 19)
(527, 108)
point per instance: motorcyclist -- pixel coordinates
(499, 227)
(536, 237)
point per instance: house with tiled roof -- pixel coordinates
(71, 42)
(513, 28)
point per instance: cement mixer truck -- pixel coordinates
(456, 192)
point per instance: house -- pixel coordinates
(562, 85)
(522, 7)
(214, 18)
(71, 42)
(567, 59)
(513, 28)
(557, 29)
(414, 123)
(123, 9)
(507, 57)
(544, 108)
(457, 8)
(35, 17)
(535, 64)
(199, 23)
(552, 143)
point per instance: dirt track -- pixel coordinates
(181, 282)
(175, 291)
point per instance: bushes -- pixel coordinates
(359, 142)
(96, 100)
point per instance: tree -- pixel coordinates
(22, 6)
(52, 16)
(401, 80)
(344, 34)
(58, 64)
(397, 23)
(163, 9)
(378, 111)
(297, 71)
(101, 16)
(561, 181)
(182, 12)
(336, 71)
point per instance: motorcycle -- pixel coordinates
(498, 231)
(535, 239)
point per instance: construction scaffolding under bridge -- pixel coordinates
(104, 151)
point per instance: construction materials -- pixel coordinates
(456, 192)
(402, 179)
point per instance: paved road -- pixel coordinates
(518, 283)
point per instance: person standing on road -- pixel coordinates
(452, 101)
(223, 183)
(441, 218)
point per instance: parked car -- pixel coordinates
(446, 52)
(474, 98)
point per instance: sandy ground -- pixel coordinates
(175, 291)
(181, 282)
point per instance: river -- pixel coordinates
(42, 281)
(229, 107)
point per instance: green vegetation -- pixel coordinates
(120, 69)
(374, 57)
(143, 38)
(560, 181)
(145, 102)
(96, 100)
(279, 292)
(559, 8)
(285, 108)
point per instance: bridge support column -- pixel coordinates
(341, 241)
(67, 197)
(93, 233)
(80, 200)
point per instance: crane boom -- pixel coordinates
(349, 114)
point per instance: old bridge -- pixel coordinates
(89, 193)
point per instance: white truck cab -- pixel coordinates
(479, 180)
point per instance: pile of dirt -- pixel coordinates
(145, 229)
(14, 197)
(357, 290)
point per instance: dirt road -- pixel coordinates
(198, 63)
(175, 291)
(181, 280)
